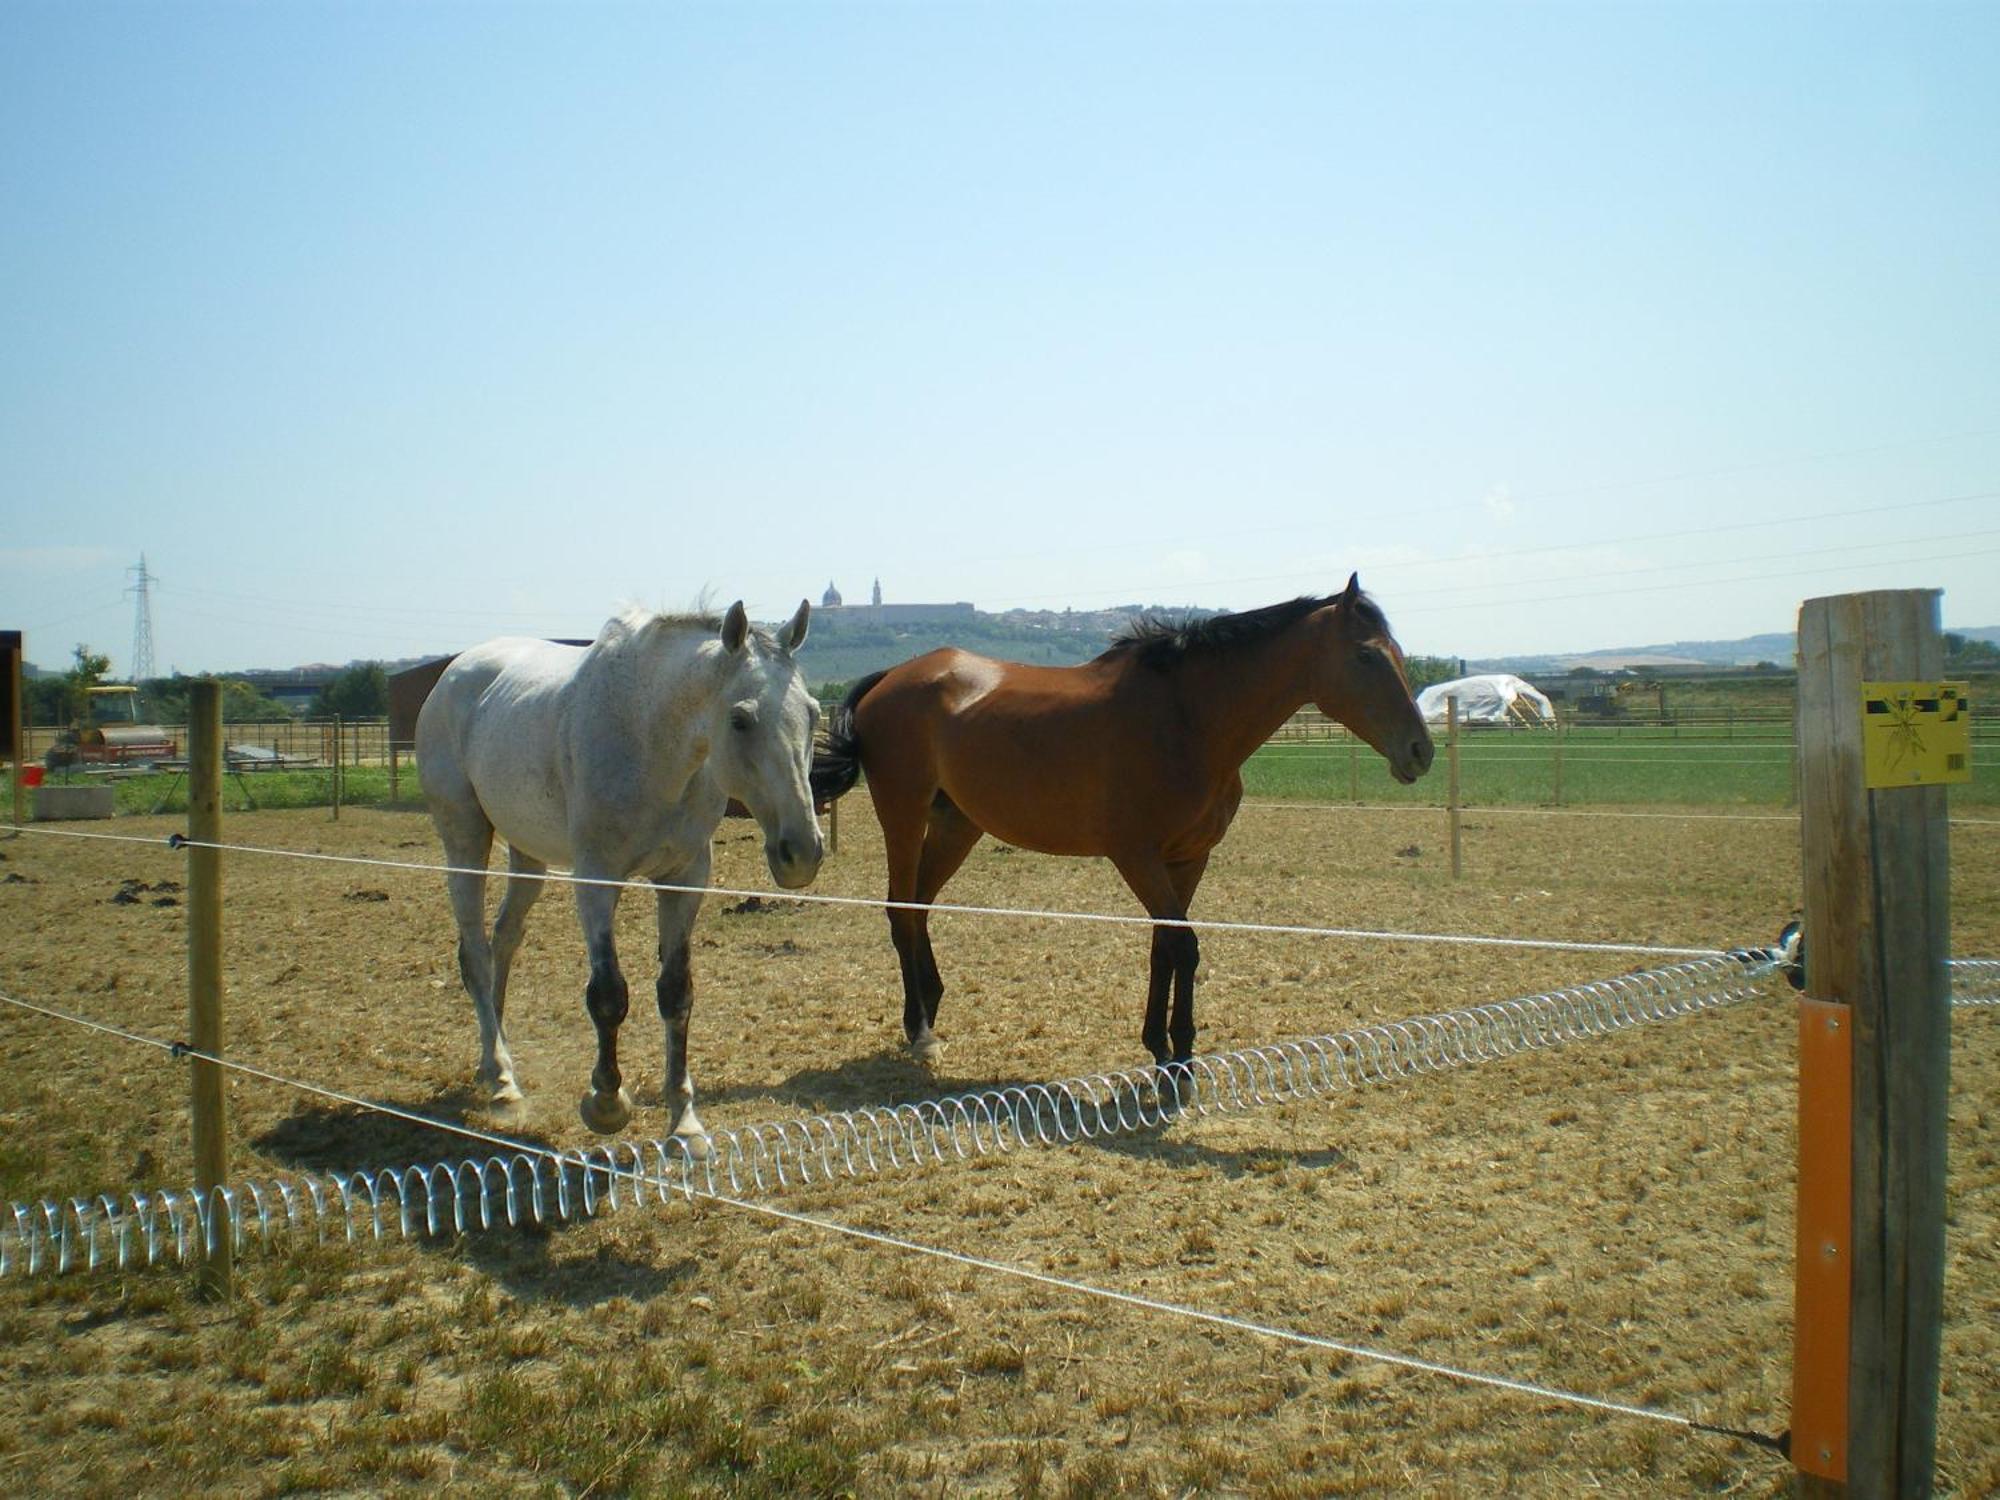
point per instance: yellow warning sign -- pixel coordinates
(1915, 733)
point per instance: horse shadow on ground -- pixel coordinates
(330, 1139)
(891, 1077)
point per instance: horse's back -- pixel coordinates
(1031, 753)
(489, 733)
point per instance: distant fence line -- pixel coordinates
(363, 742)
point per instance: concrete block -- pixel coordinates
(61, 803)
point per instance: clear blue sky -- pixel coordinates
(380, 329)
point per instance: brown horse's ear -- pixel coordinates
(735, 627)
(793, 635)
(1353, 590)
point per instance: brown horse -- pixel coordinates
(1134, 756)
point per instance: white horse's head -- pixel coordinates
(762, 740)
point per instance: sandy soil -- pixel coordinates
(1613, 1218)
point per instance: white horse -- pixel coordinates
(618, 760)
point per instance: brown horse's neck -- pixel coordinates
(1237, 697)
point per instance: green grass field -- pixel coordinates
(1608, 766)
(1750, 766)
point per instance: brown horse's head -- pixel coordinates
(1358, 679)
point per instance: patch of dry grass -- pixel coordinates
(1613, 1217)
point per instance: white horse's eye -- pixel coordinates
(741, 719)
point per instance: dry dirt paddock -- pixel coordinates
(1612, 1218)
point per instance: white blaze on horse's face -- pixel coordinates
(761, 743)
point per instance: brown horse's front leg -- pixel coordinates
(923, 986)
(1176, 953)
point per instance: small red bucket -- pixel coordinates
(31, 776)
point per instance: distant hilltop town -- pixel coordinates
(1088, 622)
(876, 612)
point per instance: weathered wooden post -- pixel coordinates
(1877, 733)
(336, 768)
(1353, 770)
(393, 779)
(204, 917)
(15, 727)
(1562, 733)
(1451, 751)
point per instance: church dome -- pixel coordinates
(831, 598)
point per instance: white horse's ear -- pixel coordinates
(793, 635)
(735, 627)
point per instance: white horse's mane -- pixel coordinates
(632, 620)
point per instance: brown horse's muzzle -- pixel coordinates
(1415, 758)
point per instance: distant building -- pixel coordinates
(898, 614)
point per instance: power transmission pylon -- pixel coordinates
(142, 620)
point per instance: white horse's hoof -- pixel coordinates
(927, 1050)
(694, 1143)
(606, 1114)
(507, 1107)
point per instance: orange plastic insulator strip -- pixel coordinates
(1825, 1245)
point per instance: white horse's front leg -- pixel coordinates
(607, 1108)
(676, 997)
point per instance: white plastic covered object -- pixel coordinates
(1492, 698)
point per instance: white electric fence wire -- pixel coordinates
(190, 1219)
(534, 1184)
(1119, 919)
(1974, 981)
(1481, 810)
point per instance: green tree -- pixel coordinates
(166, 701)
(1425, 670)
(1963, 654)
(361, 692)
(65, 700)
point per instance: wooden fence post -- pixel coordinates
(1871, 1249)
(1451, 797)
(1562, 733)
(204, 926)
(17, 719)
(336, 768)
(1353, 771)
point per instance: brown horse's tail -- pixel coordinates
(836, 765)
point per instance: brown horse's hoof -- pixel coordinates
(1174, 1086)
(606, 1114)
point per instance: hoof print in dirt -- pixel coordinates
(366, 895)
(757, 906)
(131, 892)
(15, 877)
(1408, 851)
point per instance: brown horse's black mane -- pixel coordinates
(1163, 641)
